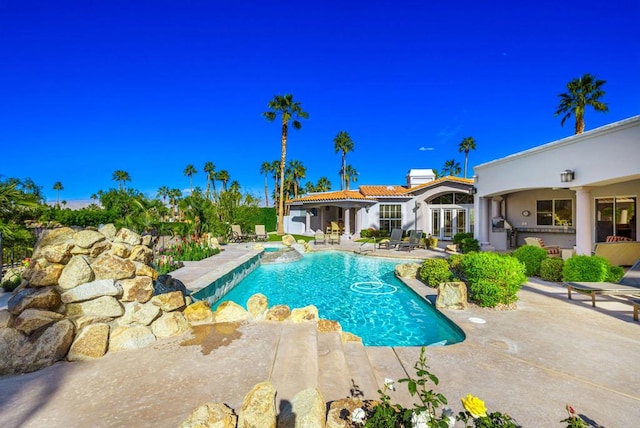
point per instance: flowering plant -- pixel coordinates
(573, 420)
(25, 262)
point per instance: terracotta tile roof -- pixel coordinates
(330, 196)
(438, 181)
(383, 190)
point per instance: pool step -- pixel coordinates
(334, 379)
(295, 367)
(361, 372)
(385, 364)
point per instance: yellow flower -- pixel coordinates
(474, 406)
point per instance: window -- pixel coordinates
(390, 217)
(616, 216)
(554, 212)
(452, 198)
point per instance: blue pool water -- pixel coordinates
(362, 293)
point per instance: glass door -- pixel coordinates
(461, 221)
(435, 224)
(448, 223)
(615, 217)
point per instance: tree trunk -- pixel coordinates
(282, 165)
(266, 192)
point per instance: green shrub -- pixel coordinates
(455, 265)
(459, 237)
(469, 245)
(432, 242)
(551, 269)
(434, 271)
(585, 269)
(531, 257)
(11, 283)
(493, 279)
(615, 274)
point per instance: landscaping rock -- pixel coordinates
(340, 411)
(170, 324)
(99, 248)
(6, 319)
(90, 343)
(141, 254)
(307, 410)
(53, 237)
(51, 346)
(328, 326)
(83, 321)
(407, 270)
(230, 312)
(288, 240)
(44, 276)
(257, 305)
(109, 266)
(128, 236)
(32, 319)
(345, 337)
(211, 415)
(259, 407)
(139, 313)
(44, 298)
(278, 313)
(76, 272)
(126, 338)
(452, 295)
(121, 249)
(199, 313)
(139, 289)
(58, 253)
(169, 301)
(146, 270)
(86, 238)
(92, 290)
(109, 231)
(308, 313)
(105, 306)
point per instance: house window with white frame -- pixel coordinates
(554, 212)
(390, 217)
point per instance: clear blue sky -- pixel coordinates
(89, 87)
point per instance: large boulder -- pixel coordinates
(139, 313)
(105, 306)
(139, 289)
(92, 290)
(340, 412)
(142, 254)
(109, 266)
(198, 312)
(169, 301)
(109, 231)
(259, 407)
(257, 305)
(90, 343)
(308, 313)
(230, 312)
(307, 410)
(32, 319)
(146, 270)
(452, 295)
(99, 248)
(127, 338)
(6, 319)
(76, 272)
(43, 298)
(121, 249)
(43, 275)
(58, 253)
(328, 326)
(278, 313)
(288, 240)
(211, 415)
(53, 237)
(407, 270)
(86, 238)
(128, 236)
(170, 324)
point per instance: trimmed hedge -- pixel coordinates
(531, 257)
(585, 269)
(493, 279)
(435, 271)
(551, 269)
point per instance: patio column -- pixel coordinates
(484, 221)
(347, 221)
(358, 221)
(583, 221)
(307, 221)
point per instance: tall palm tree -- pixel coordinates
(121, 177)
(174, 196)
(265, 169)
(189, 171)
(451, 167)
(163, 192)
(466, 145)
(210, 170)
(350, 174)
(298, 172)
(57, 186)
(583, 91)
(289, 110)
(343, 143)
(275, 171)
(223, 175)
(323, 184)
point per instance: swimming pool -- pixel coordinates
(362, 293)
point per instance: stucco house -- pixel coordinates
(573, 192)
(439, 207)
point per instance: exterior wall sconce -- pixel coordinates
(567, 176)
(473, 190)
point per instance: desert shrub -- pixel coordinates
(585, 269)
(459, 237)
(615, 273)
(493, 279)
(551, 269)
(432, 242)
(469, 245)
(434, 271)
(531, 257)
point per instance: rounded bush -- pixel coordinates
(432, 242)
(435, 271)
(551, 269)
(531, 257)
(585, 269)
(493, 279)
(459, 237)
(615, 274)
(469, 245)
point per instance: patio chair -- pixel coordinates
(319, 237)
(334, 237)
(236, 234)
(552, 250)
(394, 240)
(629, 285)
(261, 233)
(413, 242)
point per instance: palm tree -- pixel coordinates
(466, 145)
(163, 192)
(288, 110)
(350, 174)
(58, 187)
(189, 171)
(275, 170)
(210, 169)
(174, 195)
(451, 167)
(583, 91)
(223, 175)
(298, 171)
(121, 177)
(343, 143)
(265, 169)
(323, 184)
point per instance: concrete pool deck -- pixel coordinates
(529, 363)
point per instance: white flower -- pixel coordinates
(388, 383)
(449, 417)
(420, 420)
(358, 416)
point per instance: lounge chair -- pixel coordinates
(552, 250)
(334, 237)
(236, 234)
(393, 241)
(413, 242)
(319, 237)
(629, 285)
(261, 233)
